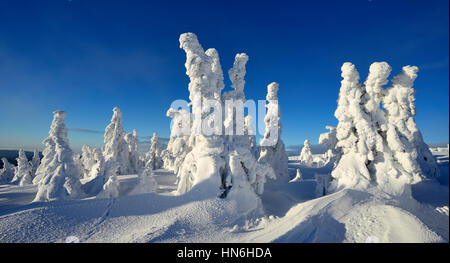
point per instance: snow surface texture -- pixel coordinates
(295, 215)
(375, 147)
(58, 177)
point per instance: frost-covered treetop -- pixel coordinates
(58, 130)
(378, 74)
(349, 72)
(237, 74)
(198, 68)
(400, 98)
(216, 68)
(272, 90)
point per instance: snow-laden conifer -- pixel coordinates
(272, 147)
(116, 148)
(58, 177)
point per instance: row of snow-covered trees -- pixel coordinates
(228, 166)
(376, 141)
(61, 174)
(23, 173)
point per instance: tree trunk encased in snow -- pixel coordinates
(58, 177)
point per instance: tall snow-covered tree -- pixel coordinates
(35, 162)
(57, 177)
(116, 149)
(7, 172)
(403, 137)
(133, 144)
(153, 156)
(23, 173)
(272, 147)
(217, 162)
(373, 144)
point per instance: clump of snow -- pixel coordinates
(298, 177)
(58, 177)
(24, 170)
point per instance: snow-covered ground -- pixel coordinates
(293, 214)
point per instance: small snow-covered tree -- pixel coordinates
(329, 139)
(57, 177)
(153, 156)
(177, 148)
(116, 148)
(133, 144)
(272, 147)
(306, 156)
(110, 188)
(23, 173)
(146, 182)
(35, 162)
(7, 172)
(87, 159)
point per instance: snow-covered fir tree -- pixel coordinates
(110, 188)
(35, 162)
(373, 144)
(306, 156)
(133, 144)
(221, 165)
(58, 177)
(7, 172)
(146, 182)
(177, 148)
(153, 156)
(116, 148)
(87, 159)
(404, 138)
(97, 176)
(24, 170)
(272, 147)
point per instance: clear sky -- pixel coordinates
(86, 56)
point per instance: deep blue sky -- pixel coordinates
(85, 57)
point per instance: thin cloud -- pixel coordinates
(84, 130)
